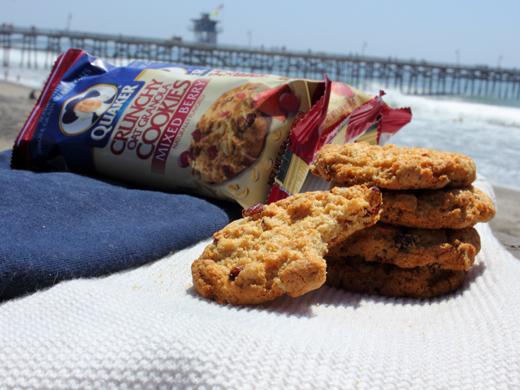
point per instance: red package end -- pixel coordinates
(21, 158)
(276, 193)
(392, 119)
(305, 138)
(376, 110)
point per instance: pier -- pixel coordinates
(408, 76)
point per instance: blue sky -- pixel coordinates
(483, 32)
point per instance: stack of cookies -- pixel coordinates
(424, 243)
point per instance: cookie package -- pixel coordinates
(226, 134)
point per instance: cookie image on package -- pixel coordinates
(230, 136)
(392, 167)
(356, 275)
(446, 208)
(278, 248)
(410, 248)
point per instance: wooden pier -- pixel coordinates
(408, 76)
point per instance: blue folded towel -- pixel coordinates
(57, 226)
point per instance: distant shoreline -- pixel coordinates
(15, 106)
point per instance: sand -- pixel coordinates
(15, 106)
(506, 224)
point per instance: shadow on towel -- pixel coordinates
(335, 297)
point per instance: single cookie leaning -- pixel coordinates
(447, 208)
(356, 275)
(278, 248)
(230, 136)
(410, 248)
(392, 167)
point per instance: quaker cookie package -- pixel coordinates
(226, 134)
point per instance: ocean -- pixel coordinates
(486, 130)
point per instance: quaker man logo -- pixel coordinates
(82, 111)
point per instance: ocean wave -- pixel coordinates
(456, 111)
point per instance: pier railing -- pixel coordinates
(408, 76)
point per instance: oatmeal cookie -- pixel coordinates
(356, 275)
(410, 248)
(278, 248)
(230, 136)
(392, 167)
(446, 208)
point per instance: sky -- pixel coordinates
(464, 31)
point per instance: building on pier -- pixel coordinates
(205, 29)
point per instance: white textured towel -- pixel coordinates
(148, 329)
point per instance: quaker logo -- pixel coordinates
(82, 111)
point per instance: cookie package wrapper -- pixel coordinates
(224, 134)
(343, 114)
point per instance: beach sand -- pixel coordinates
(15, 106)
